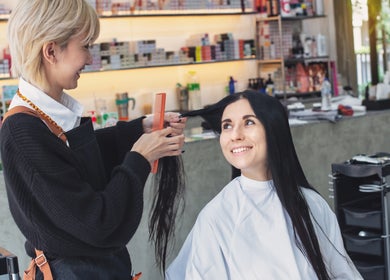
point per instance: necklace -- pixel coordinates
(43, 114)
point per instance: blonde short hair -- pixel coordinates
(35, 22)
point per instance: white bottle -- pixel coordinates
(321, 45)
(272, 50)
(319, 7)
(285, 8)
(194, 97)
(326, 94)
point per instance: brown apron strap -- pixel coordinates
(41, 262)
(20, 109)
(29, 274)
(43, 265)
(26, 110)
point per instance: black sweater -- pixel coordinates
(81, 200)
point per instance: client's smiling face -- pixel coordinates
(243, 140)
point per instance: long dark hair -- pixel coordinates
(168, 184)
(283, 164)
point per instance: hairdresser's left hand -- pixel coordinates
(170, 119)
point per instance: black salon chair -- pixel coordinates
(9, 267)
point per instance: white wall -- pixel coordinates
(9, 3)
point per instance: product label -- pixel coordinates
(193, 86)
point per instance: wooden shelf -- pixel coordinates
(182, 13)
(298, 18)
(270, 61)
(7, 78)
(166, 13)
(292, 61)
(170, 65)
(295, 18)
(156, 66)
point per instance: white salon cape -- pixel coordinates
(245, 234)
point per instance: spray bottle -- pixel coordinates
(94, 120)
(326, 94)
(231, 85)
(194, 96)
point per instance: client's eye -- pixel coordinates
(249, 122)
(226, 126)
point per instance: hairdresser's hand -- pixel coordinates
(158, 144)
(170, 119)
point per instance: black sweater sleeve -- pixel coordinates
(114, 142)
(52, 201)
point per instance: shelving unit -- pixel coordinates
(182, 24)
(143, 81)
(279, 30)
(167, 14)
(361, 196)
(181, 13)
(269, 35)
(158, 66)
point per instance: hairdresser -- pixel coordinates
(76, 194)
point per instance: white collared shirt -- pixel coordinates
(66, 114)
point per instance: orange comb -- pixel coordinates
(158, 119)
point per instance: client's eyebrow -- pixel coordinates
(248, 116)
(243, 117)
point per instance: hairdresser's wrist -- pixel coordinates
(147, 123)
